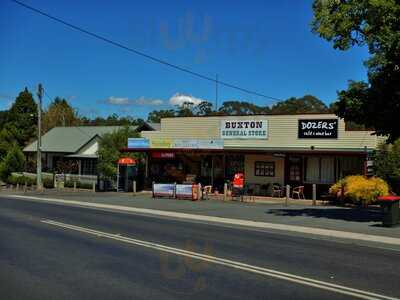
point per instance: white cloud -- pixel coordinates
(143, 101)
(125, 101)
(117, 100)
(179, 99)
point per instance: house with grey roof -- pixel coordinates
(77, 144)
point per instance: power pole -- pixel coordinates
(216, 92)
(39, 185)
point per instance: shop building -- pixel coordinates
(299, 150)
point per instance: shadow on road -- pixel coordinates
(354, 215)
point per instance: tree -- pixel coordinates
(7, 139)
(23, 116)
(376, 24)
(205, 108)
(185, 110)
(156, 115)
(387, 164)
(13, 162)
(109, 150)
(3, 118)
(234, 108)
(305, 104)
(59, 113)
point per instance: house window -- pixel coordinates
(263, 168)
(320, 169)
(89, 167)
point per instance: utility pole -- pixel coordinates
(39, 185)
(216, 92)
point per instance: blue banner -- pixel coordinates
(141, 143)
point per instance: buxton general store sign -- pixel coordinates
(244, 129)
(318, 129)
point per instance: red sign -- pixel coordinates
(163, 154)
(126, 161)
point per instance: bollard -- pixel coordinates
(287, 195)
(174, 194)
(199, 191)
(314, 194)
(74, 186)
(94, 187)
(225, 191)
(134, 187)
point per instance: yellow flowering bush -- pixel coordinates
(359, 188)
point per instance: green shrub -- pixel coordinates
(48, 183)
(13, 162)
(69, 184)
(87, 186)
(21, 180)
(79, 185)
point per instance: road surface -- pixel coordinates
(49, 251)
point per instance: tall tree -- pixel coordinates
(14, 161)
(305, 104)
(205, 108)
(109, 150)
(59, 113)
(185, 110)
(232, 108)
(3, 118)
(156, 115)
(23, 116)
(376, 24)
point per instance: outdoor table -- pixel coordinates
(390, 210)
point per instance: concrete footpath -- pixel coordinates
(324, 221)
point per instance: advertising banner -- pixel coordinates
(184, 191)
(244, 129)
(318, 129)
(163, 190)
(141, 143)
(198, 144)
(161, 143)
(211, 144)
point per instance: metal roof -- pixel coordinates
(70, 139)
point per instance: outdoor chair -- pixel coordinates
(207, 190)
(248, 191)
(277, 190)
(299, 191)
(264, 189)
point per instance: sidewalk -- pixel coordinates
(296, 214)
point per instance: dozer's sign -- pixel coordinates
(318, 129)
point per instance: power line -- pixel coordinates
(153, 58)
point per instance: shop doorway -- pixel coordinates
(294, 170)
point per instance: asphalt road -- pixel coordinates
(48, 261)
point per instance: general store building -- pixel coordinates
(286, 149)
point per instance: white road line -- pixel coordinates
(247, 223)
(230, 263)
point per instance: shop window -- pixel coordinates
(263, 168)
(320, 169)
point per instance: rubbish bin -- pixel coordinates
(390, 210)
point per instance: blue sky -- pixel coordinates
(265, 46)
